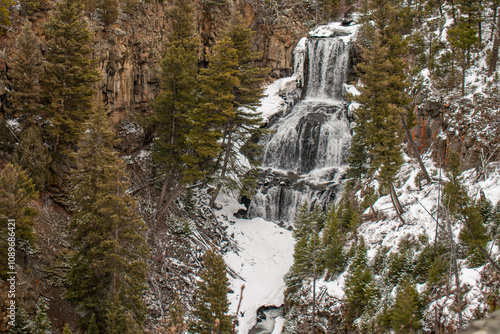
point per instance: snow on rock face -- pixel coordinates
(265, 254)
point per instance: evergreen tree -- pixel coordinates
(333, 244)
(381, 116)
(175, 103)
(16, 192)
(107, 10)
(120, 321)
(211, 304)
(25, 70)
(308, 253)
(473, 234)
(4, 13)
(42, 322)
(215, 108)
(33, 156)
(70, 72)
(67, 330)
(176, 324)
(404, 315)
(383, 93)
(242, 127)
(360, 288)
(22, 324)
(92, 327)
(109, 263)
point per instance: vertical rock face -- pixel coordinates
(129, 50)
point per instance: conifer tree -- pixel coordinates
(33, 156)
(25, 70)
(176, 324)
(333, 244)
(42, 322)
(175, 103)
(211, 304)
(70, 72)
(92, 327)
(22, 324)
(119, 320)
(308, 253)
(67, 330)
(404, 314)
(16, 191)
(243, 125)
(109, 263)
(107, 10)
(4, 13)
(216, 107)
(383, 94)
(360, 288)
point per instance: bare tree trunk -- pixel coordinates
(395, 202)
(224, 167)
(415, 150)
(455, 272)
(492, 66)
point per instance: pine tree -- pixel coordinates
(473, 234)
(42, 322)
(120, 321)
(70, 72)
(67, 330)
(107, 10)
(16, 192)
(381, 115)
(92, 327)
(4, 13)
(308, 253)
(383, 93)
(25, 70)
(109, 262)
(404, 314)
(211, 304)
(333, 244)
(33, 156)
(176, 324)
(215, 108)
(360, 288)
(242, 128)
(22, 324)
(175, 103)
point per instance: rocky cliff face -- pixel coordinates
(128, 50)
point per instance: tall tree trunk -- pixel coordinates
(224, 167)
(415, 149)
(453, 254)
(492, 66)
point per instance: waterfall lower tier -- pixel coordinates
(304, 154)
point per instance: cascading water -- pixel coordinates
(304, 155)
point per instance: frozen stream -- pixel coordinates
(264, 257)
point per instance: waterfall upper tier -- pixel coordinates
(304, 155)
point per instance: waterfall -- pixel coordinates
(304, 154)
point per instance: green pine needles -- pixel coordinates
(108, 267)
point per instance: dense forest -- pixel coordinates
(113, 185)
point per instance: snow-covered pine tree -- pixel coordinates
(360, 288)
(42, 323)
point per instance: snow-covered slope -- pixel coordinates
(264, 256)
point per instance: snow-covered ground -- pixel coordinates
(265, 254)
